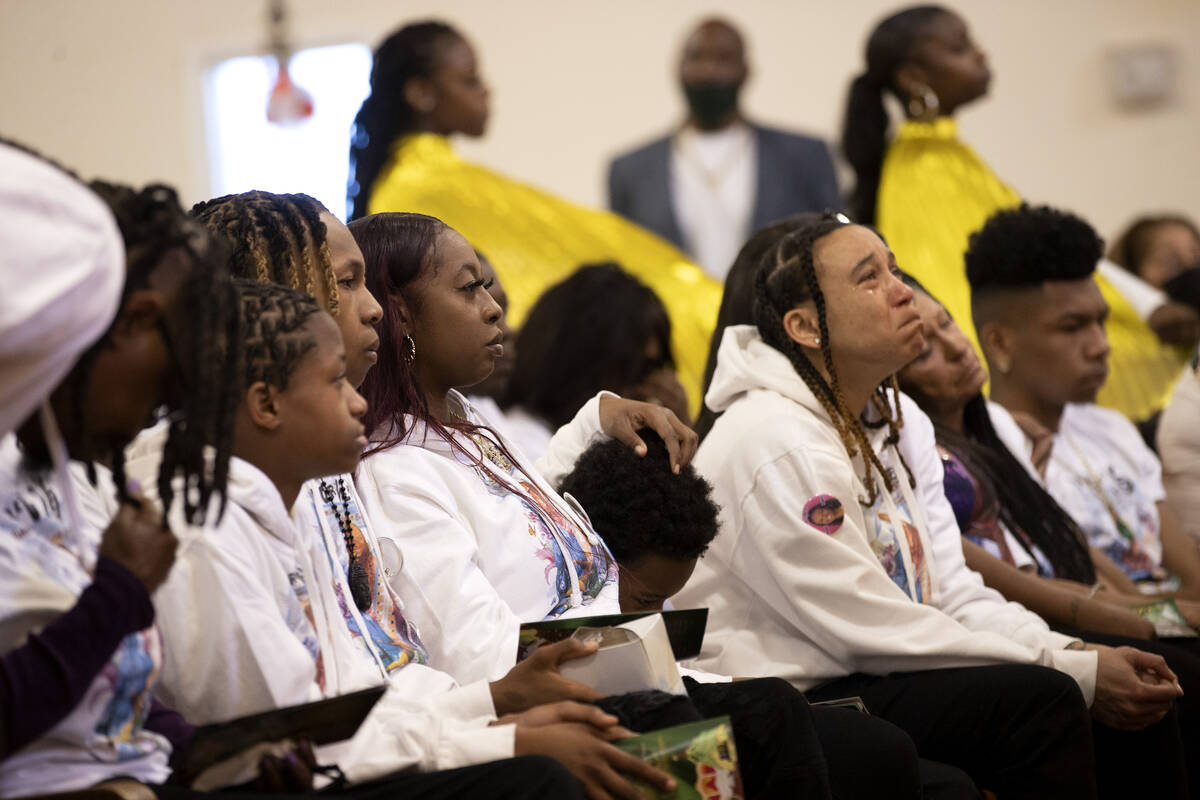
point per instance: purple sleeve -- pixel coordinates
(171, 725)
(43, 680)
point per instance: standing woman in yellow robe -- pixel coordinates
(425, 86)
(927, 191)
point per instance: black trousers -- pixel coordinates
(870, 758)
(1178, 733)
(1020, 731)
(791, 749)
(521, 778)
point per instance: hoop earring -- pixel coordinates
(411, 355)
(923, 105)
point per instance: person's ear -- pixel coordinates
(263, 406)
(998, 343)
(420, 95)
(912, 80)
(405, 315)
(802, 327)
(142, 312)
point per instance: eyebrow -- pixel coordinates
(864, 262)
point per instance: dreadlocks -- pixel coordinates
(273, 330)
(275, 238)
(154, 227)
(787, 278)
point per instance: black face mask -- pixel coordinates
(711, 103)
(1185, 287)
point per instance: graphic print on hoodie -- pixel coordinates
(586, 564)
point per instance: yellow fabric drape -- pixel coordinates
(535, 239)
(935, 192)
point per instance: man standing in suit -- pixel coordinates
(710, 184)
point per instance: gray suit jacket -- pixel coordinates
(795, 173)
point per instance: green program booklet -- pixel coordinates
(1167, 618)
(700, 756)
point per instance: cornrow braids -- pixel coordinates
(274, 338)
(204, 365)
(275, 238)
(786, 278)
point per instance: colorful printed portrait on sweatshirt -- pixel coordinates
(824, 512)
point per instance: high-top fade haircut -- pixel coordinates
(274, 238)
(638, 505)
(153, 224)
(1022, 248)
(787, 278)
(274, 338)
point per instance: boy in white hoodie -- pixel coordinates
(834, 574)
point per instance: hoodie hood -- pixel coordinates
(251, 489)
(746, 363)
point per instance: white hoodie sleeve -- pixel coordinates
(831, 588)
(571, 440)
(960, 591)
(467, 627)
(424, 734)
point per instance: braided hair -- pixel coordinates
(786, 278)
(386, 115)
(274, 338)
(865, 124)
(153, 226)
(274, 238)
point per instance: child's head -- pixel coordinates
(599, 329)
(656, 523)
(299, 416)
(292, 240)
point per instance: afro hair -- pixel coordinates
(638, 505)
(1023, 247)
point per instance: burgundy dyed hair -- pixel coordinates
(396, 248)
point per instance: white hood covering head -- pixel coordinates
(62, 264)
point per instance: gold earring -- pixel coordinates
(1002, 366)
(411, 355)
(923, 105)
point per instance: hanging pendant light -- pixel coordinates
(287, 104)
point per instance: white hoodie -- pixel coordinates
(805, 583)
(486, 548)
(252, 616)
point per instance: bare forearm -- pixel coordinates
(1057, 604)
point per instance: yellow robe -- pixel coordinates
(935, 191)
(535, 240)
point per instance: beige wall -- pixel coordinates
(113, 87)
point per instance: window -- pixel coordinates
(248, 152)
